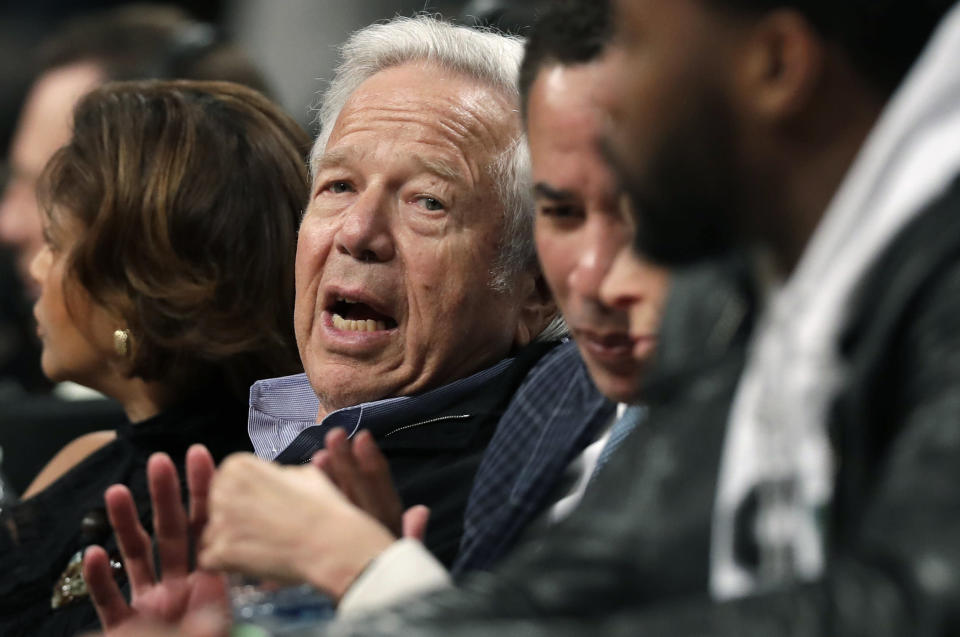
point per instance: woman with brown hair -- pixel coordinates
(167, 284)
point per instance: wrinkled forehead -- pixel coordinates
(431, 103)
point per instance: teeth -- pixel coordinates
(348, 325)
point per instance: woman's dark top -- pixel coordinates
(39, 536)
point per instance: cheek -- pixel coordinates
(435, 276)
(314, 242)
(448, 288)
(557, 255)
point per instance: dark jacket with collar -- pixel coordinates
(434, 452)
(634, 558)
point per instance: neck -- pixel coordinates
(140, 399)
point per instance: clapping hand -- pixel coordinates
(361, 472)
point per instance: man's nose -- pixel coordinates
(596, 256)
(620, 287)
(588, 272)
(365, 233)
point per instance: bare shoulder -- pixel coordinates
(68, 457)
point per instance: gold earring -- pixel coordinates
(121, 342)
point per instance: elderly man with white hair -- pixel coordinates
(420, 307)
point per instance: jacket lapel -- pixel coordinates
(552, 417)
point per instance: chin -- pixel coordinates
(53, 374)
(620, 389)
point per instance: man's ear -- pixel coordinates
(537, 309)
(781, 66)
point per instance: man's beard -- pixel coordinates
(684, 203)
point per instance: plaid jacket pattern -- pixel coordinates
(556, 412)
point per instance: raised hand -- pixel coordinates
(179, 590)
(362, 473)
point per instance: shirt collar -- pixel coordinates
(281, 408)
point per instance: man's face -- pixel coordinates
(622, 287)
(401, 234)
(672, 134)
(579, 230)
(43, 128)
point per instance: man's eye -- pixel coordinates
(561, 211)
(338, 187)
(431, 204)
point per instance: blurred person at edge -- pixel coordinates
(166, 283)
(551, 439)
(137, 41)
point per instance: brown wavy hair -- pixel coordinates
(187, 196)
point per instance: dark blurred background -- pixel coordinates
(293, 41)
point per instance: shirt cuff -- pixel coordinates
(404, 570)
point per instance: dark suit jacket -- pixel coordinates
(434, 452)
(556, 412)
(633, 558)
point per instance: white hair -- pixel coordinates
(490, 58)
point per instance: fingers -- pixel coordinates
(133, 541)
(112, 608)
(377, 493)
(339, 464)
(200, 470)
(415, 521)
(360, 471)
(320, 460)
(369, 458)
(169, 518)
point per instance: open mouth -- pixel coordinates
(356, 316)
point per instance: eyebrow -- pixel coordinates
(332, 159)
(549, 192)
(440, 168)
